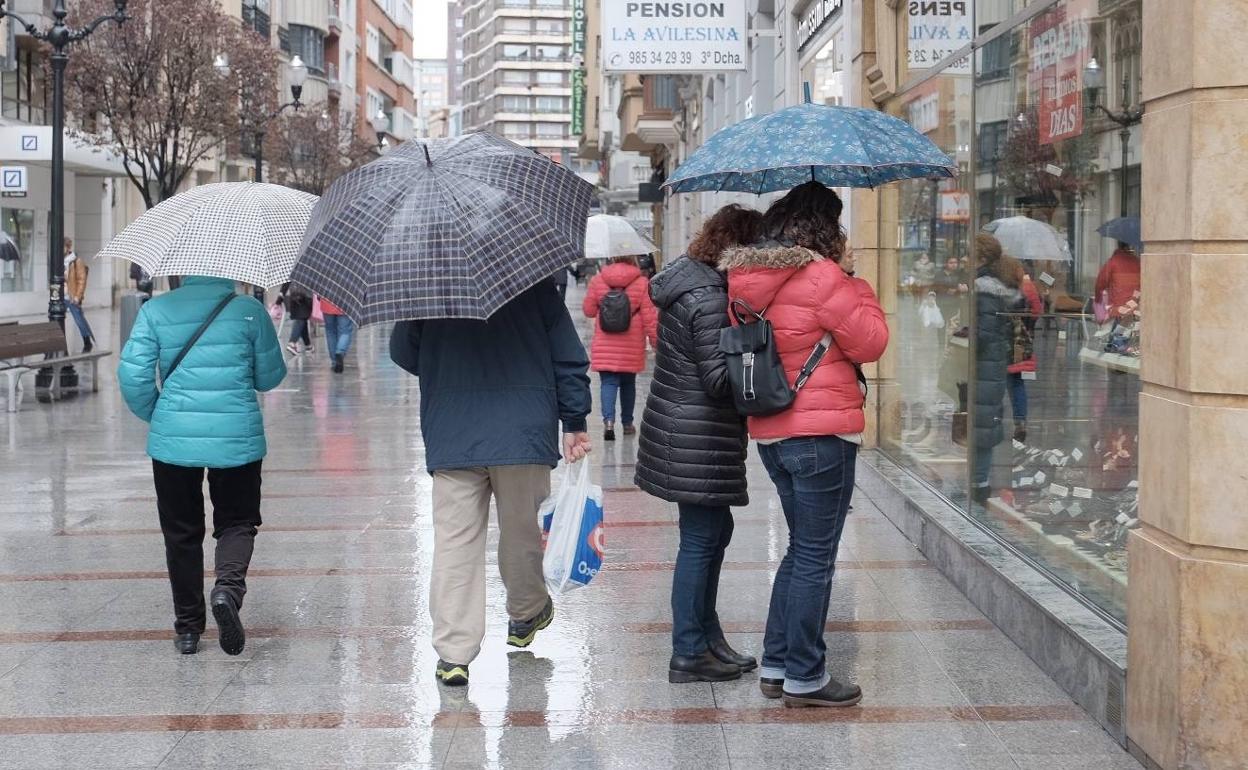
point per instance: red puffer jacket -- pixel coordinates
(805, 296)
(623, 351)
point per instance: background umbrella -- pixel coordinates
(448, 228)
(609, 236)
(836, 146)
(1029, 239)
(1124, 229)
(245, 231)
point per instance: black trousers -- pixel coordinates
(235, 494)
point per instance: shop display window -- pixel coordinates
(1014, 387)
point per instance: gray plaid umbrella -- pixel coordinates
(245, 231)
(445, 228)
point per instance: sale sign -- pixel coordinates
(1060, 44)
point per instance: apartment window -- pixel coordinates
(256, 17)
(515, 26)
(25, 90)
(309, 44)
(373, 43)
(517, 77)
(348, 73)
(550, 78)
(551, 52)
(550, 3)
(552, 104)
(516, 130)
(514, 52)
(552, 130)
(552, 26)
(996, 56)
(514, 104)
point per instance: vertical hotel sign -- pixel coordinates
(578, 64)
(1060, 45)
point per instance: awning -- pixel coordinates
(32, 146)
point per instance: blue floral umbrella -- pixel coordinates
(836, 146)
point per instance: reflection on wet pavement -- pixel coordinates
(338, 668)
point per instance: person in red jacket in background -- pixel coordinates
(1017, 382)
(619, 356)
(810, 448)
(1119, 279)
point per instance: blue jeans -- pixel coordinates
(299, 330)
(705, 531)
(1018, 395)
(84, 328)
(338, 333)
(814, 478)
(625, 384)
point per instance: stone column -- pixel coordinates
(1187, 677)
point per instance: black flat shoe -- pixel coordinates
(771, 688)
(832, 694)
(721, 650)
(703, 668)
(229, 625)
(187, 644)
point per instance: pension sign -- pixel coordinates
(674, 37)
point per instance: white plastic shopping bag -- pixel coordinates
(571, 520)
(929, 313)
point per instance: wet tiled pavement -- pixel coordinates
(338, 667)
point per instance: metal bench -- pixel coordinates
(20, 341)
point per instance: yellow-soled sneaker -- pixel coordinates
(451, 674)
(520, 633)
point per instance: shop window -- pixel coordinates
(17, 251)
(1013, 387)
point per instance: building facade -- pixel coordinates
(432, 91)
(517, 72)
(1079, 494)
(386, 78)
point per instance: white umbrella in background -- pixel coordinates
(1029, 239)
(609, 236)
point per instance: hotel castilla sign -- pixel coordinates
(674, 37)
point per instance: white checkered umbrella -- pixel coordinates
(608, 236)
(443, 228)
(245, 231)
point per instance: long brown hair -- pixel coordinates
(810, 216)
(732, 225)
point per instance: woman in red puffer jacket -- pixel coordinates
(1017, 379)
(619, 356)
(802, 280)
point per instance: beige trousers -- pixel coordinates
(461, 517)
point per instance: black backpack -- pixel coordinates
(615, 312)
(760, 386)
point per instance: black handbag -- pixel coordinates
(760, 386)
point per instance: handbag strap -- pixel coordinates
(216, 311)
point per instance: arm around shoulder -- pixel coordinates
(850, 310)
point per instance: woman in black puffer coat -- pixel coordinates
(693, 442)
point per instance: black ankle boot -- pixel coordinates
(832, 694)
(721, 650)
(230, 631)
(702, 668)
(187, 644)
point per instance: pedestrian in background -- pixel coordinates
(76, 274)
(693, 443)
(298, 304)
(339, 331)
(1023, 354)
(809, 449)
(619, 298)
(191, 368)
(492, 397)
(561, 282)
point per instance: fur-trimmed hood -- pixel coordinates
(768, 254)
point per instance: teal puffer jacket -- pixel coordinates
(208, 415)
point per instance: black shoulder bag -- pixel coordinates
(760, 386)
(216, 311)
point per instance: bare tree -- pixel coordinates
(148, 89)
(312, 147)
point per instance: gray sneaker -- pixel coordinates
(520, 633)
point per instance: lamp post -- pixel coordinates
(381, 126)
(1093, 82)
(298, 76)
(58, 37)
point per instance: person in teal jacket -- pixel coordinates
(205, 417)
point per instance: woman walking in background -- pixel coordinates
(212, 351)
(619, 298)
(693, 444)
(298, 304)
(810, 448)
(339, 331)
(1023, 354)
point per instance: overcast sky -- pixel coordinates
(430, 29)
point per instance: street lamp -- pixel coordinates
(59, 37)
(298, 76)
(381, 126)
(1093, 83)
